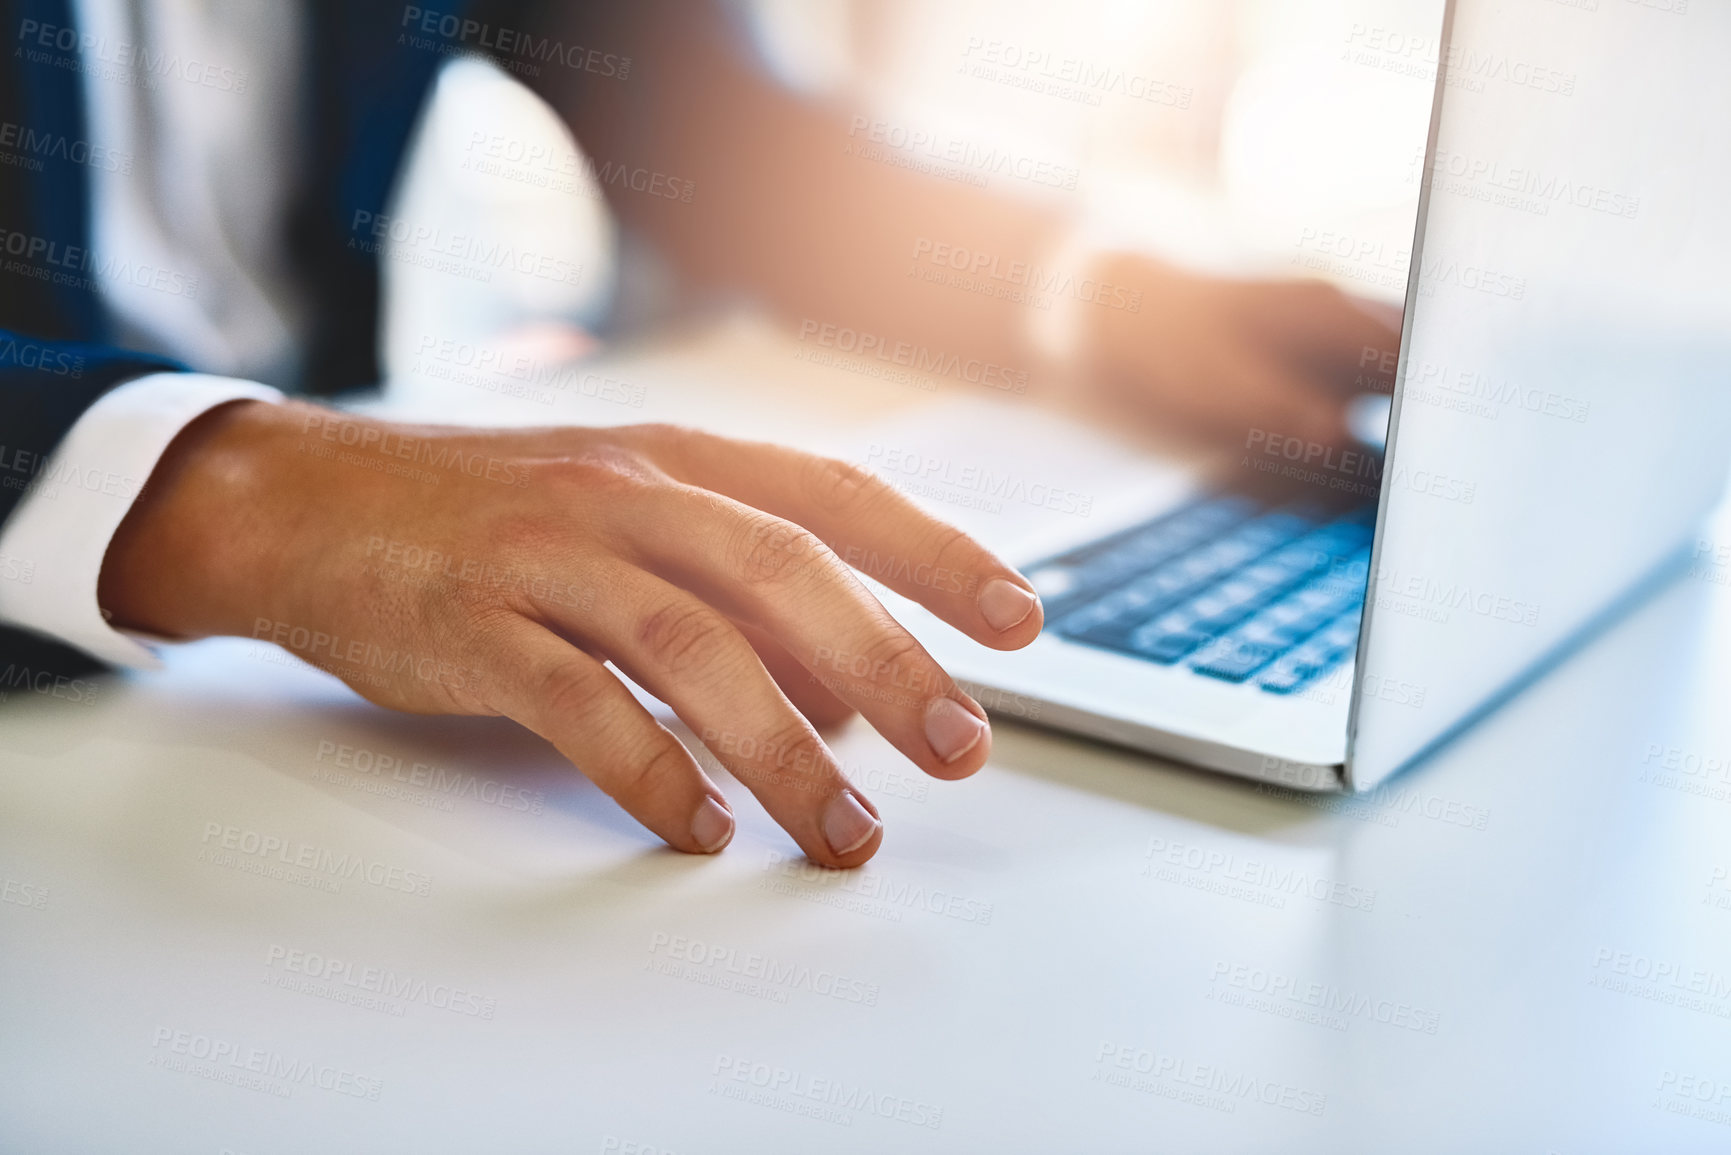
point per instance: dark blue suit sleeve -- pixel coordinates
(45, 386)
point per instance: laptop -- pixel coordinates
(1555, 435)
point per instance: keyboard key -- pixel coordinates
(1262, 631)
(1167, 647)
(1341, 635)
(1233, 660)
(1292, 673)
(1052, 582)
(1224, 619)
(1268, 573)
(1219, 599)
(1316, 652)
(1283, 679)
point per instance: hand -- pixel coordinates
(1225, 357)
(444, 570)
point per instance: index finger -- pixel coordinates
(873, 527)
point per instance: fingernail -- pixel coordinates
(847, 825)
(711, 826)
(951, 728)
(1005, 604)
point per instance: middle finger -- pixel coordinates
(779, 577)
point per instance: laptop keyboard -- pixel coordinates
(1225, 587)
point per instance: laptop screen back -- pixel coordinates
(1560, 423)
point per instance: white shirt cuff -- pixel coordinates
(51, 548)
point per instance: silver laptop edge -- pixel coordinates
(1565, 363)
(1348, 780)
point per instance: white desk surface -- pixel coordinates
(1524, 945)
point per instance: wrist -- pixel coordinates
(193, 556)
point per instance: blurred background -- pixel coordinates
(1267, 137)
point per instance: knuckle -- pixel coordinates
(571, 689)
(652, 771)
(525, 534)
(894, 651)
(841, 488)
(661, 440)
(474, 607)
(471, 605)
(892, 667)
(683, 636)
(473, 626)
(951, 548)
(663, 433)
(606, 467)
(789, 752)
(777, 553)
